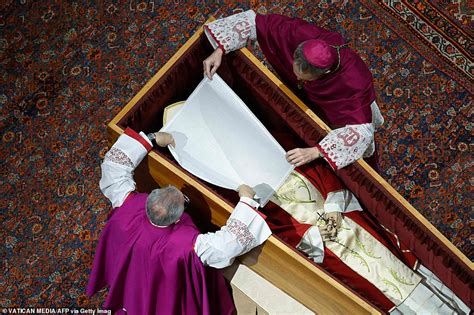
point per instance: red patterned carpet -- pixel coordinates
(68, 68)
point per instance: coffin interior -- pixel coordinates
(292, 127)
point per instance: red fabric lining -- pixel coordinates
(324, 180)
(321, 177)
(431, 252)
(285, 227)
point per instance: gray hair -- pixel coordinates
(164, 206)
(303, 65)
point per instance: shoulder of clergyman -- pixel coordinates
(185, 232)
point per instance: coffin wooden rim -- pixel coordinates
(328, 295)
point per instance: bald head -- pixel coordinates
(165, 206)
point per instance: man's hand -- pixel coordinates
(213, 62)
(329, 231)
(334, 219)
(246, 191)
(300, 156)
(327, 234)
(164, 139)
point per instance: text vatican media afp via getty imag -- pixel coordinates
(58, 310)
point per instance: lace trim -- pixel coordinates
(232, 32)
(344, 146)
(241, 231)
(118, 156)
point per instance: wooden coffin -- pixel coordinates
(282, 113)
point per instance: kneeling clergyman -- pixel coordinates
(151, 255)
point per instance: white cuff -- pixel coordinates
(244, 230)
(341, 201)
(118, 165)
(231, 33)
(250, 202)
(134, 150)
(256, 225)
(312, 244)
(344, 146)
(377, 118)
(144, 136)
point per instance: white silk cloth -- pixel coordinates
(219, 140)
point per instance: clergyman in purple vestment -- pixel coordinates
(151, 255)
(321, 69)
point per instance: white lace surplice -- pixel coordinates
(244, 230)
(344, 146)
(219, 140)
(233, 32)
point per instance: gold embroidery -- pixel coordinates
(399, 278)
(356, 247)
(299, 183)
(349, 252)
(356, 255)
(365, 249)
(393, 286)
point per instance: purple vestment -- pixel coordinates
(341, 98)
(152, 270)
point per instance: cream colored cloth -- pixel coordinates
(219, 140)
(412, 291)
(357, 248)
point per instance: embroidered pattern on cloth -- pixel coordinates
(241, 231)
(364, 254)
(233, 32)
(356, 247)
(344, 146)
(118, 156)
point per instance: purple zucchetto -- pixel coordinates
(319, 54)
